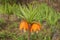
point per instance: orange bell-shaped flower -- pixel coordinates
(35, 27)
(23, 25)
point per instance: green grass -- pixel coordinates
(42, 13)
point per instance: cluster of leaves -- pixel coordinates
(37, 12)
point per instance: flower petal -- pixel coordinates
(23, 25)
(35, 27)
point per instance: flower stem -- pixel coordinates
(29, 33)
(29, 36)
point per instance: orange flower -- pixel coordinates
(35, 27)
(23, 25)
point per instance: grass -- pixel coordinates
(42, 13)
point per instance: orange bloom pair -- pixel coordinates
(25, 26)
